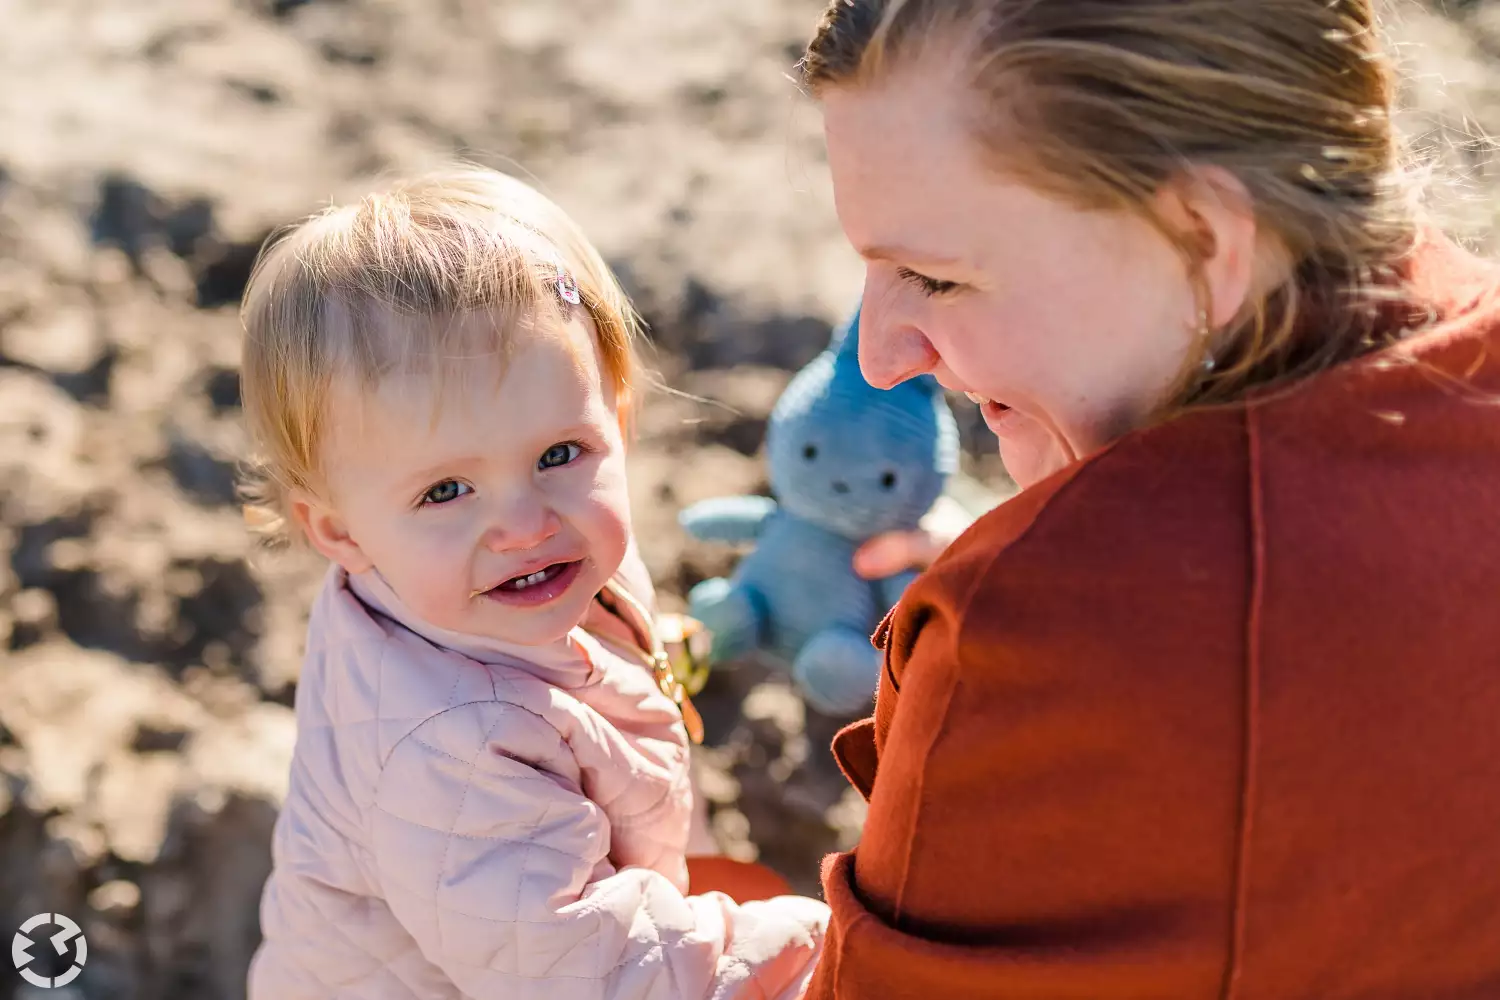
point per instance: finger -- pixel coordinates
(889, 554)
(872, 558)
(926, 546)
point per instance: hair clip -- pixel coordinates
(567, 287)
(563, 280)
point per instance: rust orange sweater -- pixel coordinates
(1212, 714)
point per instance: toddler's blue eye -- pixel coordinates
(559, 454)
(446, 491)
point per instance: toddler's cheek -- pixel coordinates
(603, 514)
(442, 598)
(611, 536)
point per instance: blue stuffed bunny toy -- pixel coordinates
(847, 462)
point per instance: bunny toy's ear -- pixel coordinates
(845, 340)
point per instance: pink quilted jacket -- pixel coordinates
(471, 820)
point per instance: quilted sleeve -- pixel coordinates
(498, 866)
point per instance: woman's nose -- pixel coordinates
(521, 526)
(891, 349)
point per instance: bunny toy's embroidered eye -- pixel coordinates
(888, 481)
(810, 452)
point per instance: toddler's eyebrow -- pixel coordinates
(453, 465)
(446, 469)
(576, 431)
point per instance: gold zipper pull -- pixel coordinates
(692, 720)
(666, 680)
(677, 662)
(686, 642)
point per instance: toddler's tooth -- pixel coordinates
(530, 579)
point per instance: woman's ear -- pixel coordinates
(1211, 210)
(327, 532)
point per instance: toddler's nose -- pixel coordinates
(522, 530)
(839, 486)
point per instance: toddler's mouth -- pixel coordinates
(532, 579)
(539, 587)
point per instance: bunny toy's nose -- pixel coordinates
(839, 486)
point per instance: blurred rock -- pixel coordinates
(65, 340)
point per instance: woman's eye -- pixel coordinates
(446, 491)
(810, 452)
(888, 481)
(929, 286)
(559, 454)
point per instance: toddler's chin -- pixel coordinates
(524, 626)
(535, 630)
(476, 617)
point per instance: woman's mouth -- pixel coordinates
(985, 401)
(996, 415)
(540, 587)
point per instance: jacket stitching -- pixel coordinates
(959, 617)
(526, 853)
(666, 960)
(457, 676)
(646, 813)
(844, 939)
(597, 913)
(424, 720)
(559, 919)
(1251, 749)
(951, 688)
(381, 963)
(437, 886)
(627, 958)
(1069, 484)
(519, 841)
(536, 777)
(890, 671)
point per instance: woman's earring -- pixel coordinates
(1205, 337)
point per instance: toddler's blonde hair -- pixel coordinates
(368, 289)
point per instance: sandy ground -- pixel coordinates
(147, 662)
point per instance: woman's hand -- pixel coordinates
(896, 551)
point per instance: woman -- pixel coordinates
(1210, 708)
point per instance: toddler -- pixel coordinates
(490, 795)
